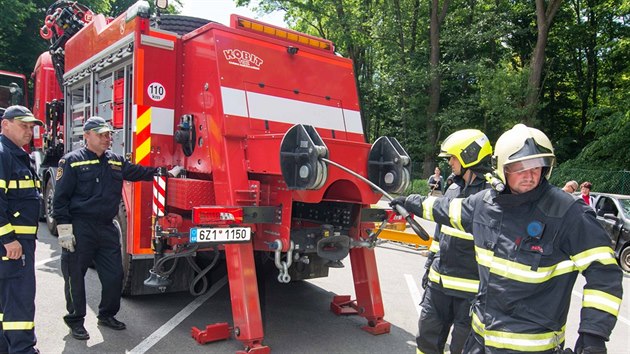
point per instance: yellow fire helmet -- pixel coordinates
(469, 146)
(522, 148)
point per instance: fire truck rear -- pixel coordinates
(256, 115)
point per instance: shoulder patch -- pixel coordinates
(59, 172)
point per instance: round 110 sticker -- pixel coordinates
(156, 91)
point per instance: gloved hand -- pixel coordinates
(66, 237)
(175, 171)
(398, 201)
(425, 279)
(590, 344)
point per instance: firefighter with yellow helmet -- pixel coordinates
(531, 241)
(451, 279)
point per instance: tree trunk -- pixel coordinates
(544, 18)
(437, 18)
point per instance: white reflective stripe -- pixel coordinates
(456, 233)
(284, 110)
(114, 162)
(521, 272)
(462, 284)
(455, 213)
(526, 345)
(604, 255)
(601, 301)
(524, 342)
(435, 246)
(427, 208)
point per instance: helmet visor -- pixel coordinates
(520, 166)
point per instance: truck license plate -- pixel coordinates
(220, 234)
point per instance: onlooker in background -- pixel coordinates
(435, 183)
(570, 187)
(585, 188)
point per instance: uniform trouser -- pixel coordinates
(96, 243)
(17, 301)
(439, 313)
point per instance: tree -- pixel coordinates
(544, 19)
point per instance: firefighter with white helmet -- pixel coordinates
(531, 241)
(451, 279)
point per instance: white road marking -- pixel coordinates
(619, 317)
(156, 336)
(415, 293)
(44, 261)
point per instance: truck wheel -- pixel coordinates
(624, 258)
(120, 221)
(48, 207)
(180, 24)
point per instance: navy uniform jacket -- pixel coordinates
(530, 248)
(454, 268)
(91, 187)
(19, 195)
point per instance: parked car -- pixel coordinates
(613, 212)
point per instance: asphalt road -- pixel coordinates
(297, 315)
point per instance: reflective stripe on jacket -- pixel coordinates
(454, 269)
(91, 186)
(19, 194)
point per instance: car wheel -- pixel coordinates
(624, 259)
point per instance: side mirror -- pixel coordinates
(611, 217)
(161, 4)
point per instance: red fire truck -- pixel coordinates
(259, 116)
(12, 89)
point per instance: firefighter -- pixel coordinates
(87, 198)
(531, 241)
(19, 215)
(451, 279)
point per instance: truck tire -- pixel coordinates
(624, 258)
(179, 24)
(49, 193)
(120, 221)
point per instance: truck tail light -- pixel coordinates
(217, 215)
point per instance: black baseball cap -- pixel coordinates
(21, 113)
(97, 125)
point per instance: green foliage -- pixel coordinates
(21, 20)
(417, 186)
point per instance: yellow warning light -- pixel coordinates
(285, 34)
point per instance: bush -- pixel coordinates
(418, 186)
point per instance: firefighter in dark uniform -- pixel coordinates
(451, 279)
(531, 242)
(19, 215)
(87, 198)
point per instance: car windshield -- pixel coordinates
(625, 205)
